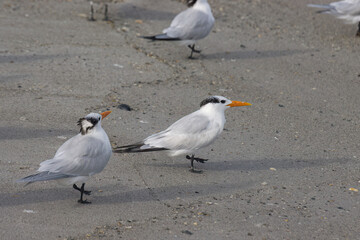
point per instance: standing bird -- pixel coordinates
(190, 133)
(78, 158)
(190, 25)
(348, 10)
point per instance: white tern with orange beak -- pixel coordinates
(190, 133)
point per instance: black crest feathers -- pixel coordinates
(191, 3)
(209, 100)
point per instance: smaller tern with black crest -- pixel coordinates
(190, 133)
(347, 10)
(193, 24)
(78, 158)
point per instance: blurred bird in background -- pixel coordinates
(347, 10)
(191, 25)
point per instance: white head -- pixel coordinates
(221, 103)
(91, 121)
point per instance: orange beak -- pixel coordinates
(104, 114)
(238, 104)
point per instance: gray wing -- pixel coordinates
(42, 176)
(81, 155)
(190, 132)
(341, 8)
(351, 8)
(190, 24)
(194, 123)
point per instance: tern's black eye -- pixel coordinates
(223, 101)
(99, 118)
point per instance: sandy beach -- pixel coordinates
(286, 167)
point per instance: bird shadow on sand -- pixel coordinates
(255, 54)
(12, 132)
(171, 192)
(13, 78)
(253, 165)
(115, 193)
(131, 11)
(118, 193)
(27, 58)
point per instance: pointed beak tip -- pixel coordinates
(238, 104)
(104, 114)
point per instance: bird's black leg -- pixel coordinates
(79, 189)
(358, 32)
(91, 18)
(106, 18)
(192, 47)
(192, 169)
(82, 191)
(191, 57)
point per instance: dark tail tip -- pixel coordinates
(148, 37)
(323, 11)
(128, 148)
(136, 148)
(121, 150)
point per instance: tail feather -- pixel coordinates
(42, 176)
(161, 37)
(325, 8)
(133, 148)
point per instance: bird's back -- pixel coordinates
(348, 10)
(191, 24)
(82, 155)
(188, 134)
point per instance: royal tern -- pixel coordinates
(190, 25)
(347, 10)
(190, 133)
(78, 158)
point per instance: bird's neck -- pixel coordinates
(95, 131)
(214, 113)
(202, 5)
